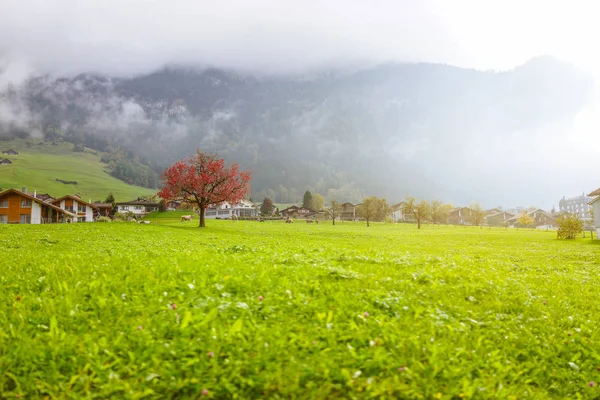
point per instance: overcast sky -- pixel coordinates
(137, 36)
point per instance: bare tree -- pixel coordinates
(477, 214)
(421, 211)
(440, 211)
(334, 210)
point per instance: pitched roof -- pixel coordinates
(103, 205)
(44, 197)
(73, 197)
(138, 202)
(595, 193)
(30, 197)
(5, 161)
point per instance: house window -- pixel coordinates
(81, 208)
(3, 203)
(139, 207)
(25, 219)
(69, 208)
(81, 219)
(125, 208)
(25, 203)
(3, 219)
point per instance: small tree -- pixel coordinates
(477, 214)
(440, 212)
(420, 211)
(569, 226)
(203, 180)
(525, 219)
(334, 210)
(162, 205)
(266, 208)
(374, 209)
(318, 202)
(307, 201)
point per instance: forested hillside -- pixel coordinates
(343, 134)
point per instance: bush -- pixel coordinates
(103, 219)
(128, 216)
(569, 226)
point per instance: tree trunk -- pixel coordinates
(418, 224)
(367, 222)
(202, 224)
(333, 219)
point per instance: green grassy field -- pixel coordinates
(246, 310)
(37, 167)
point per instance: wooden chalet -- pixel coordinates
(349, 212)
(139, 207)
(5, 161)
(540, 218)
(460, 216)
(83, 210)
(19, 207)
(103, 209)
(10, 152)
(498, 219)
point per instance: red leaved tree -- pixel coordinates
(204, 180)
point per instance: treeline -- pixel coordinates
(131, 171)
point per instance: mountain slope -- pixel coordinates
(39, 166)
(423, 129)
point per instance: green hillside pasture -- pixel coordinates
(248, 310)
(37, 167)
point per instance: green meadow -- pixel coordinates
(250, 310)
(39, 165)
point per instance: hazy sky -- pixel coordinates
(137, 36)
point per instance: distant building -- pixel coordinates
(401, 214)
(5, 161)
(349, 212)
(579, 205)
(499, 218)
(460, 216)
(595, 204)
(10, 152)
(139, 207)
(540, 217)
(243, 209)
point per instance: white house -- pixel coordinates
(139, 207)
(243, 209)
(83, 210)
(596, 207)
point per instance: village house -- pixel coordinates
(460, 216)
(83, 210)
(595, 204)
(102, 210)
(579, 205)
(290, 211)
(138, 207)
(44, 197)
(243, 209)
(5, 161)
(541, 219)
(20, 207)
(498, 218)
(400, 214)
(10, 152)
(298, 212)
(349, 212)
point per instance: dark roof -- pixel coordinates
(138, 202)
(5, 161)
(30, 197)
(44, 197)
(103, 205)
(10, 151)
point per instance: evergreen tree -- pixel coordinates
(308, 200)
(266, 207)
